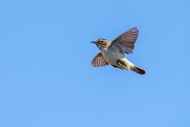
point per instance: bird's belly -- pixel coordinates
(112, 58)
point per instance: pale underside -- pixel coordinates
(112, 55)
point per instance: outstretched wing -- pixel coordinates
(99, 61)
(125, 42)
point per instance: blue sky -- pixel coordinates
(45, 74)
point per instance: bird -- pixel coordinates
(113, 53)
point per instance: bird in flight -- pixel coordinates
(114, 53)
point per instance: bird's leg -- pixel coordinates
(120, 62)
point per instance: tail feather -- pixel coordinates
(138, 70)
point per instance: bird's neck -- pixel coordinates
(103, 50)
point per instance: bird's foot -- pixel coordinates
(120, 62)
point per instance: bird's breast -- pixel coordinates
(111, 57)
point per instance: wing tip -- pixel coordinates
(134, 29)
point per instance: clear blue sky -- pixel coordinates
(45, 75)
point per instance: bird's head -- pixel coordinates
(101, 43)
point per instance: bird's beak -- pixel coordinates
(93, 42)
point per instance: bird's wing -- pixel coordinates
(99, 61)
(125, 42)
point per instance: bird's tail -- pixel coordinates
(138, 70)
